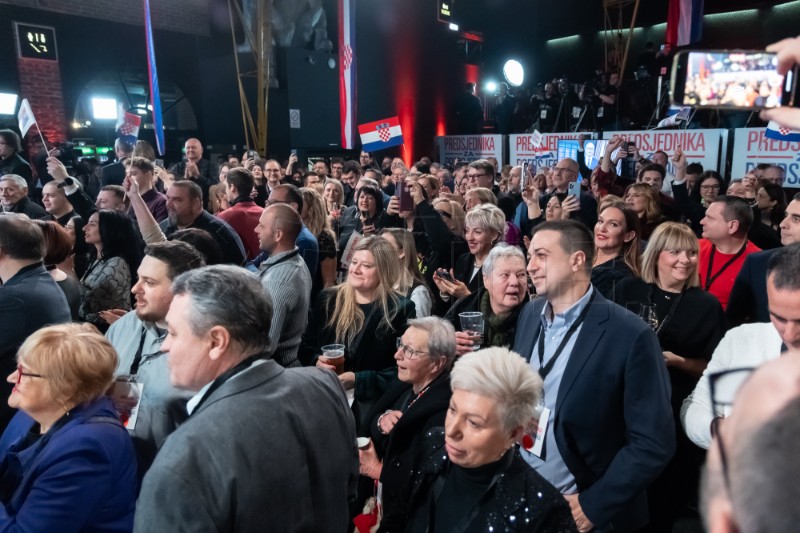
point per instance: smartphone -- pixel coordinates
(445, 275)
(732, 79)
(526, 181)
(574, 189)
(294, 152)
(252, 154)
(159, 163)
(402, 192)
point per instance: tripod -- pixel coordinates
(663, 96)
(590, 110)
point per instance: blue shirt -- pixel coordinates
(552, 467)
(309, 249)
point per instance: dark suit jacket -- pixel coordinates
(748, 300)
(273, 449)
(613, 420)
(29, 300)
(114, 174)
(28, 207)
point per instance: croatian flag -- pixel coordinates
(347, 71)
(128, 126)
(380, 134)
(684, 22)
(25, 116)
(779, 133)
(155, 95)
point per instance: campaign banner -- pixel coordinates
(524, 149)
(467, 148)
(751, 146)
(700, 146)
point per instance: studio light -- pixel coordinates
(513, 72)
(491, 86)
(104, 108)
(8, 103)
(453, 26)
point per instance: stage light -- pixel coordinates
(453, 26)
(491, 86)
(513, 72)
(8, 103)
(104, 108)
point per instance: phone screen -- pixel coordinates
(730, 79)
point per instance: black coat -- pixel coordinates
(517, 499)
(28, 207)
(400, 449)
(29, 300)
(748, 300)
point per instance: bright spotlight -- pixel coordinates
(8, 103)
(513, 72)
(453, 26)
(491, 86)
(104, 108)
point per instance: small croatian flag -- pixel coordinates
(128, 126)
(780, 133)
(380, 134)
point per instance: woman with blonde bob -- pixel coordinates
(689, 323)
(67, 461)
(475, 459)
(365, 314)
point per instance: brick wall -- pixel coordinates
(184, 16)
(40, 82)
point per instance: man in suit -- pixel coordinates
(29, 297)
(748, 300)
(607, 429)
(264, 448)
(114, 173)
(196, 169)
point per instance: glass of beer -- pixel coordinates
(333, 354)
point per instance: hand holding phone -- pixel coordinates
(574, 190)
(445, 275)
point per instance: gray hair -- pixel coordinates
(368, 182)
(499, 251)
(231, 297)
(503, 376)
(441, 337)
(487, 217)
(16, 178)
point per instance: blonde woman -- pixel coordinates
(316, 221)
(365, 314)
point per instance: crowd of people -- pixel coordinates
(255, 345)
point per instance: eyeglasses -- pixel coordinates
(709, 187)
(474, 177)
(724, 386)
(444, 214)
(21, 372)
(409, 352)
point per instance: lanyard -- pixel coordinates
(544, 370)
(137, 359)
(711, 279)
(282, 259)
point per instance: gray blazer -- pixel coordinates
(272, 449)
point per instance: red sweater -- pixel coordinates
(722, 277)
(243, 218)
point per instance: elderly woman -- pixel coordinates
(106, 285)
(616, 247)
(67, 462)
(500, 300)
(485, 226)
(365, 314)
(472, 478)
(401, 417)
(689, 323)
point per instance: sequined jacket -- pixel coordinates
(519, 499)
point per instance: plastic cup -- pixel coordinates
(472, 325)
(333, 354)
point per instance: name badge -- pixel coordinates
(543, 114)
(541, 431)
(127, 398)
(600, 112)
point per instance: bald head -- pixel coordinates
(194, 149)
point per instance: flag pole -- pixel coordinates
(44, 144)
